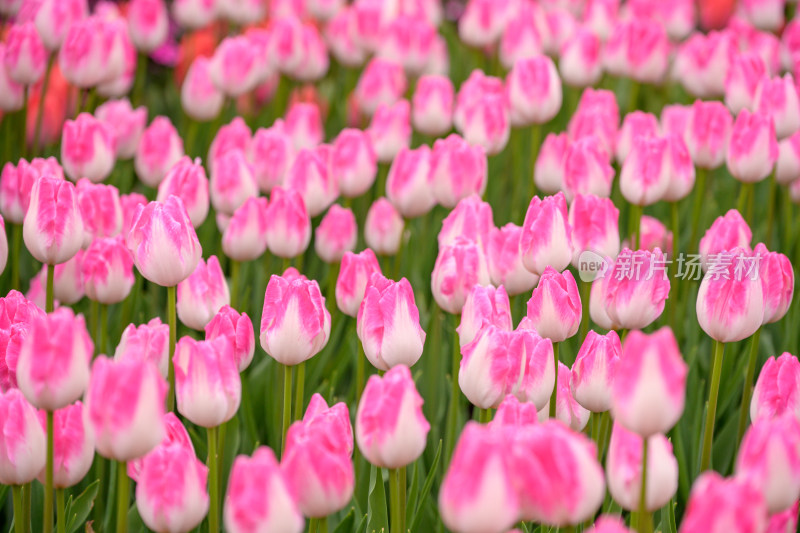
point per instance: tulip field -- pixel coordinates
(475, 266)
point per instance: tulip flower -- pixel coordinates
(148, 24)
(644, 177)
(289, 230)
(159, 149)
(200, 97)
(381, 82)
(635, 124)
(505, 262)
(753, 148)
(149, 342)
(776, 390)
(272, 155)
(580, 62)
(202, 294)
(609, 524)
(304, 125)
(546, 235)
(311, 176)
(595, 226)
(25, 56)
(548, 173)
(720, 505)
(777, 282)
(787, 168)
(708, 131)
(12, 94)
(390, 130)
(702, 62)
(471, 220)
(187, 180)
(594, 370)
(457, 170)
(194, 14)
(481, 114)
(567, 410)
(480, 463)
(232, 181)
(511, 412)
(778, 98)
(93, 51)
(22, 441)
(354, 162)
(744, 75)
(726, 233)
(482, 307)
(638, 48)
(107, 270)
(354, 275)
(125, 124)
(432, 105)
(554, 309)
(244, 239)
(238, 329)
(68, 280)
(637, 289)
(681, 169)
(236, 66)
(534, 91)
(100, 209)
(409, 184)
(459, 267)
(73, 445)
(587, 168)
(242, 12)
(258, 497)
(88, 148)
(340, 34)
(383, 227)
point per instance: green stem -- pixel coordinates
(585, 288)
(676, 237)
(103, 328)
(192, 127)
(773, 186)
(313, 525)
(383, 173)
(61, 516)
(287, 401)
(102, 489)
(711, 415)
(19, 513)
(697, 208)
(633, 96)
(299, 401)
(744, 410)
(360, 371)
(596, 430)
(26, 506)
(745, 191)
(287, 262)
(173, 333)
(47, 517)
(645, 519)
(49, 298)
(37, 132)
(16, 237)
(536, 142)
(139, 81)
(394, 504)
(24, 144)
(553, 397)
(485, 416)
(235, 266)
(402, 486)
(213, 482)
(123, 497)
(787, 239)
(605, 434)
(323, 525)
(452, 413)
(635, 225)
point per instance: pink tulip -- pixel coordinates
(53, 19)
(533, 90)
(568, 410)
(554, 309)
(311, 176)
(187, 180)
(242, 12)
(511, 412)
(147, 342)
(410, 41)
(25, 57)
(53, 228)
(388, 323)
(635, 124)
(483, 22)
(235, 135)
(653, 234)
(744, 75)
(125, 407)
(122, 59)
(382, 82)
(171, 490)
(383, 227)
(100, 209)
(159, 149)
(609, 524)
(726, 232)
(236, 66)
(272, 155)
(258, 496)
(787, 167)
(720, 505)
(505, 262)
(202, 294)
(107, 270)
(597, 114)
(194, 14)
(794, 191)
(769, 457)
(594, 370)
(647, 396)
(548, 173)
(753, 148)
(477, 493)
(289, 230)
(522, 37)
(764, 14)
(244, 239)
(232, 182)
(580, 62)
(778, 98)
(777, 390)
(680, 169)
(12, 94)
(390, 130)
(432, 105)
(702, 62)
(637, 288)
(777, 282)
(391, 430)
(587, 168)
(68, 280)
(285, 48)
(93, 51)
(238, 330)
(457, 169)
(125, 124)
(73, 445)
(295, 325)
(175, 435)
(336, 234)
(484, 306)
(88, 148)
(200, 97)
(22, 440)
(207, 384)
(471, 219)
(340, 34)
(555, 496)
(708, 131)
(148, 24)
(15, 323)
(354, 162)
(546, 235)
(481, 114)
(645, 175)
(500, 362)
(354, 275)
(624, 469)
(304, 125)
(409, 185)
(163, 242)
(317, 461)
(638, 48)
(784, 522)
(459, 267)
(129, 204)
(314, 61)
(595, 226)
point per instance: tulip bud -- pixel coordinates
(753, 149)
(383, 227)
(125, 124)
(390, 130)
(311, 176)
(635, 124)
(336, 234)
(787, 168)
(147, 342)
(258, 497)
(194, 14)
(482, 115)
(730, 302)
(391, 430)
(354, 162)
(73, 445)
(295, 325)
(273, 154)
(12, 94)
(587, 168)
(511, 412)
(457, 170)
(125, 405)
(479, 462)
(129, 203)
(408, 185)
(22, 440)
(595, 226)
(521, 39)
(340, 34)
(703, 61)
(202, 294)
(158, 151)
(681, 169)
(720, 505)
(777, 389)
(580, 62)
(242, 12)
(244, 238)
(505, 263)
(778, 98)
(546, 235)
(777, 282)
(708, 132)
(548, 173)
(68, 281)
(148, 23)
(100, 209)
(235, 135)
(568, 410)
(647, 396)
(25, 57)
(645, 175)
(726, 232)
(432, 105)
(304, 125)
(354, 275)
(388, 323)
(459, 267)
(88, 148)
(769, 457)
(232, 182)
(93, 51)
(187, 180)
(238, 330)
(534, 91)
(637, 289)
(638, 48)
(554, 310)
(609, 524)
(484, 306)
(53, 19)
(289, 230)
(107, 270)
(200, 97)
(122, 58)
(236, 66)
(471, 220)
(207, 384)
(744, 75)
(53, 229)
(381, 82)
(483, 22)
(163, 242)
(594, 370)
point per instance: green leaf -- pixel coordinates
(348, 522)
(413, 494)
(378, 520)
(78, 511)
(426, 487)
(135, 523)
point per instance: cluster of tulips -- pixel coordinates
(564, 378)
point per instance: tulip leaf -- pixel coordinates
(3, 491)
(77, 511)
(426, 487)
(413, 494)
(135, 522)
(348, 522)
(376, 507)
